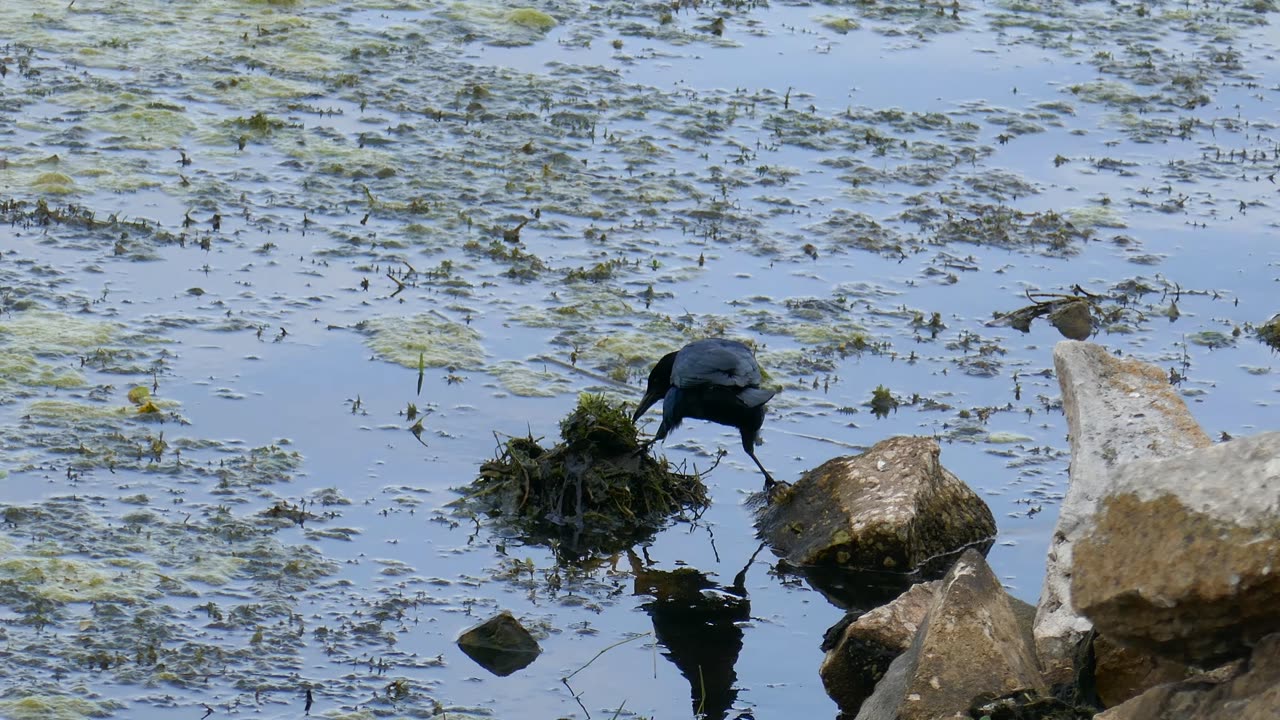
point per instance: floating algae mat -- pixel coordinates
(595, 491)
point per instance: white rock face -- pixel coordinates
(1118, 410)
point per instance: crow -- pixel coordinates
(716, 380)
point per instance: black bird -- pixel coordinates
(716, 380)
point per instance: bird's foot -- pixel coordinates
(775, 491)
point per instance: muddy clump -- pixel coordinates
(597, 491)
(1269, 332)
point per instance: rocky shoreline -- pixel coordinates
(1162, 591)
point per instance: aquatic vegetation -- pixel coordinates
(1269, 332)
(426, 338)
(515, 204)
(594, 492)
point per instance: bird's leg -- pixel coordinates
(749, 444)
(768, 479)
(769, 482)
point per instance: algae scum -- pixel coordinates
(277, 277)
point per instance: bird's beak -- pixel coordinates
(646, 402)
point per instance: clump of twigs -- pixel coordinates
(598, 490)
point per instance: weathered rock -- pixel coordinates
(1073, 320)
(1128, 672)
(970, 645)
(1182, 558)
(1118, 410)
(860, 648)
(893, 507)
(500, 644)
(1251, 693)
(860, 653)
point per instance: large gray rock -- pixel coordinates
(1183, 559)
(1118, 410)
(1250, 692)
(893, 507)
(970, 644)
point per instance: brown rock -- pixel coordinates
(1250, 693)
(969, 646)
(892, 508)
(1127, 672)
(500, 644)
(1181, 560)
(863, 650)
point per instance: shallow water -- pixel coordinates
(381, 135)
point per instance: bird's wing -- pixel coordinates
(715, 362)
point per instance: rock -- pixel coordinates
(1073, 320)
(1118, 410)
(1129, 672)
(860, 651)
(893, 507)
(500, 644)
(1248, 693)
(1181, 560)
(969, 646)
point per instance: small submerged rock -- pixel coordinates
(500, 644)
(595, 491)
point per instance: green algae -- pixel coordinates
(59, 412)
(53, 183)
(1102, 216)
(429, 338)
(530, 18)
(842, 25)
(63, 580)
(498, 24)
(45, 333)
(107, 589)
(213, 569)
(246, 90)
(520, 379)
(143, 128)
(62, 706)
(19, 368)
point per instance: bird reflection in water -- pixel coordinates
(698, 622)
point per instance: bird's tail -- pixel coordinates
(755, 397)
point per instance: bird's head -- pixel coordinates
(659, 384)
